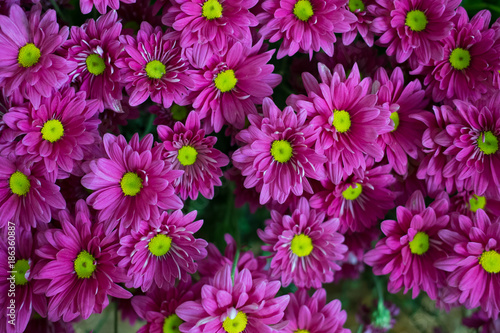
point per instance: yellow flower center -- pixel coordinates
(487, 143)
(84, 265)
(211, 9)
(225, 81)
(490, 260)
(477, 202)
(178, 112)
(187, 155)
(416, 20)
(355, 5)
(352, 193)
(281, 150)
(395, 119)
(341, 120)
(160, 245)
(171, 324)
(28, 55)
(460, 58)
(155, 69)
(301, 331)
(95, 64)
(21, 267)
(303, 10)
(19, 183)
(131, 184)
(236, 325)
(52, 130)
(420, 243)
(301, 245)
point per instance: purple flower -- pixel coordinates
(101, 5)
(362, 24)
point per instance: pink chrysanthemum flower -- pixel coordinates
(101, 5)
(28, 63)
(412, 246)
(57, 131)
(304, 25)
(132, 183)
(277, 159)
(362, 24)
(243, 304)
(473, 263)
(154, 67)
(304, 247)
(312, 314)
(187, 149)
(78, 269)
(468, 203)
(95, 48)
(162, 250)
(231, 85)
(28, 195)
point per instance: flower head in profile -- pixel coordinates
(101, 5)
(363, 23)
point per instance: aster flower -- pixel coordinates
(245, 304)
(304, 25)
(101, 5)
(132, 183)
(78, 269)
(187, 149)
(29, 65)
(467, 203)
(411, 246)
(362, 25)
(169, 116)
(276, 158)
(154, 67)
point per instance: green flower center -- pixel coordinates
(355, 5)
(171, 324)
(178, 112)
(159, 245)
(420, 243)
(21, 267)
(52, 130)
(301, 245)
(187, 155)
(352, 193)
(281, 150)
(416, 20)
(341, 120)
(225, 81)
(95, 64)
(487, 143)
(395, 119)
(303, 10)
(460, 58)
(155, 69)
(19, 183)
(84, 265)
(477, 202)
(28, 55)
(211, 9)
(236, 325)
(490, 260)
(131, 184)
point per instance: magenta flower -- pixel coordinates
(412, 246)
(304, 247)
(28, 64)
(154, 67)
(101, 5)
(364, 19)
(187, 149)
(132, 183)
(468, 203)
(277, 159)
(78, 269)
(245, 304)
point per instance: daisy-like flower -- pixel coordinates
(304, 247)
(312, 314)
(411, 246)
(245, 304)
(363, 23)
(154, 67)
(162, 250)
(101, 5)
(58, 130)
(468, 203)
(132, 183)
(78, 269)
(95, 48)
(304, 25)
(277, 159)
(233, 83)
(28, 64)
(187, 149)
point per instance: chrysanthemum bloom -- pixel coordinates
(57, 131)
(28, 195)
(403, 101)
(304, 25)
(162, 250)
(473, 262)
(412, 246)
(313, 314)
(363, 22)
(132, 183)
(276, 158)
(154, 67)
(467, 203)
(101, 5)
(187, 149)
(233, 83)
(95, 48)
(413, 27)
(169, 116)
(78, 269)
(304, 247)
(243, 304)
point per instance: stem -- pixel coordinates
(149, 125)
(58, 10)
(380, 291)
(360, 328)
(116, 317)
(235, 264)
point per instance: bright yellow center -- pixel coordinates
(84, 265)
(155, 69)
(21, 267)
(95, 64)
(355, 5)
(490, 260)
(131, 184)
(352, 193)
(416, 20)
(178, 112)
(460, 58)
(225, 81)
(420, 243)
(28, 55)
(19, 183)
(171, 324)
(160, 245)
(211, 9)
(301, 331)
(281, 150)
(236, 325)
(488, 143)
(477, 202)
(303, 10)
(341, 121)
(187, 155)
(52, 130)
(301, 245)
(395, 119)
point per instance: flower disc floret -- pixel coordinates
(85, 265)
(416, 20)
(352, 193)
(20, 268)
(155, 69)
(131, 184)
(477, 202)
(303, 10)
(211, 9)
(171, 324)
(490, 261)
(19, 183)
(236, 324)
(460, 58)
(301, 245)
(395, 118)
(52, 130)
(160, 245)
(187, 155)
(341, 120)
(281, 150)
(420, 243)
(301, 331)
(225, 81)
(95, 64)
(355, 5)
(487, 143)
(29, 55)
